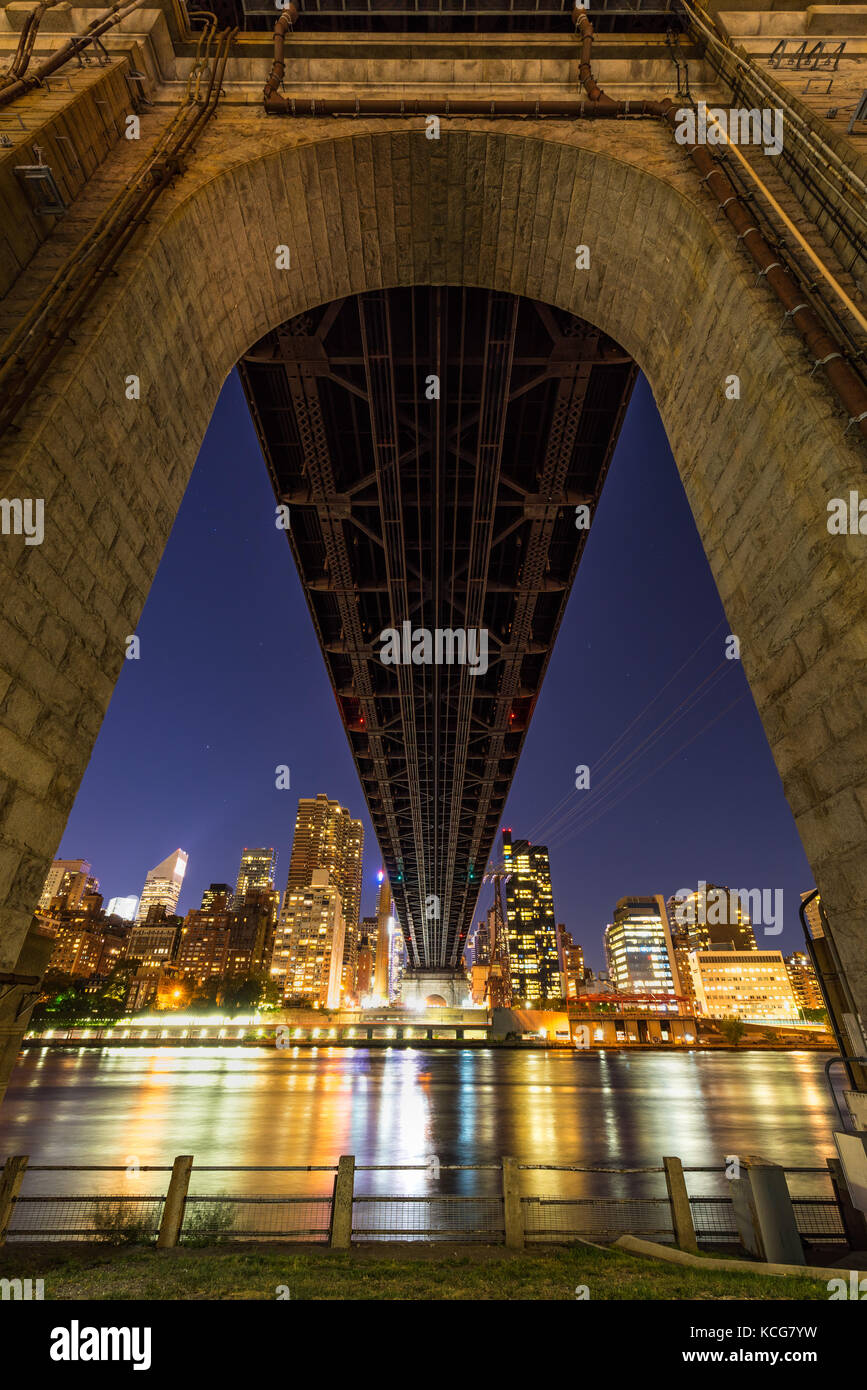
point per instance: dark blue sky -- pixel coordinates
(231, 683)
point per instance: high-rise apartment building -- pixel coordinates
(252, 923)
(638, 948)
(327, 837)
(533, 959)
(364, 965)
(308, 946)
(572, 962)
(802, 978)
(69, 879)
(154, 943)
(813, 914)
(257, 870)
(386, 923)
(396, 963)
(203, 951)
(162, 887)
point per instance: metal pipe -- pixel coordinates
(29, 30)
(76, 44)
(285, 22)
(23, 374)
(824, 350)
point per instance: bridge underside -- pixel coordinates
(432, 445)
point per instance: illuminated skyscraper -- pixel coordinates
(163, 885)
(639, 950)
(67, 878)
(308, 945)
(385, 924)
(533, 960)
(257, 871)
(327, 837)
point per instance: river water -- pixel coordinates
(241, 1106)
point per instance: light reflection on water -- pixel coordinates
(303, 1106)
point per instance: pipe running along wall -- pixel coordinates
(824, 351)
(29, 351)
(95, 30)
(29, 30)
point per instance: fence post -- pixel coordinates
(681, 1211)
(341, 1207)
(175, 1203)
(853, 1220)
(764, 1213)
(10, 1185)
(513, 1216)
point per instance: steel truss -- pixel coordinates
(432, 445)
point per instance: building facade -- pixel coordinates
(69, 879)
(711, 916)
(751, 985)
(327, 837)
(802, 978)
(308, 948)
(534, 963)
(639, 950)
(257, 870)
(162, 887)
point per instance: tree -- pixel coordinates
(732, 1029)
(237, 996)
(205, 998)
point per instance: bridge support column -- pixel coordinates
(18, 995)
(444, 987)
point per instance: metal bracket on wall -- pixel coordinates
(41, 181)
(859, 114)
(135, 81)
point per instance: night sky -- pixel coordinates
(231, 683)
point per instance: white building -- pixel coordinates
(123, 907)
(742, 984)
(163, 885)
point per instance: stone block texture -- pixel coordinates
(364, 204)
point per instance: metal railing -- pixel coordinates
(504, 1214)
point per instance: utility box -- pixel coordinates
(764, 1213)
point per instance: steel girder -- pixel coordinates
(432, 445)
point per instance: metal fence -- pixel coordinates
(178, 1217)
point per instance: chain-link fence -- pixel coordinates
(481, 1216)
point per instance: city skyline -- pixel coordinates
(602, 675)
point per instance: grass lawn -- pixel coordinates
(417, 1272)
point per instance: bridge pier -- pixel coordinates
(445, 987)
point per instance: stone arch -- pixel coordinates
(503, 205)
